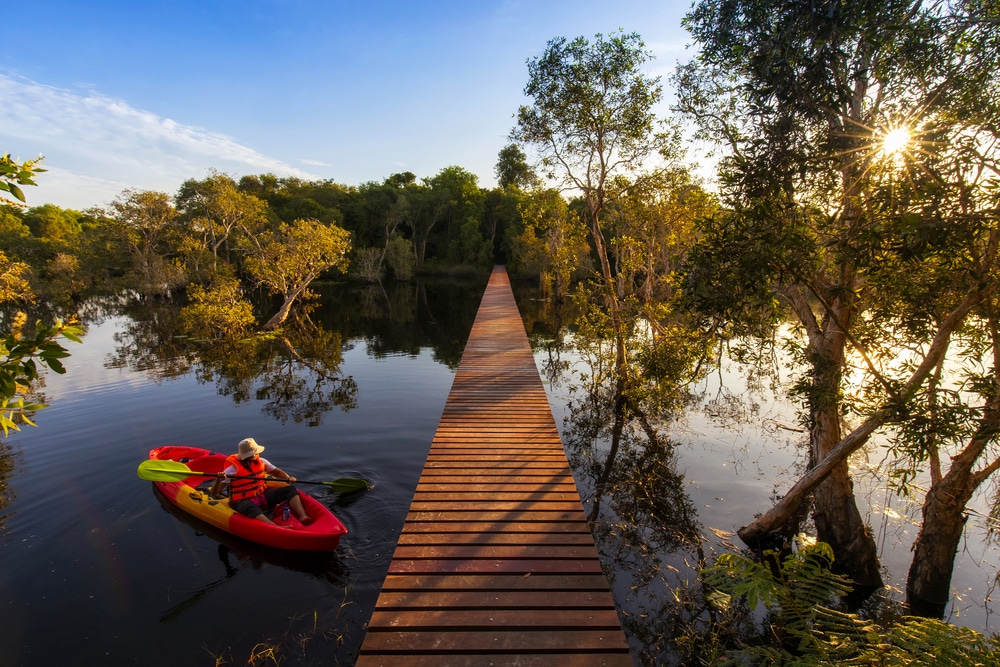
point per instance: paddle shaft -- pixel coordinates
(276, 479)
(175, 471)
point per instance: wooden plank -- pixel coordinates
(496, 641)
(469, 599)
(497, 660)
(534, 539)
(485, 566)
(471, 620)
(496, 527)
(496, 581)
(493, 551)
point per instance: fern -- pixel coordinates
(801, 626)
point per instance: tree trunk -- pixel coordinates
(839, 524)
(765, 529)
(835, 510)
(279, 317)
(928, 584)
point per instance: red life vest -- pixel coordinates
(246, 488)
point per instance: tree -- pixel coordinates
(552, 242)
(513, 170)
(454, 203)
(217, 311)
(217, 209)
(286, 261)
(147, 225)
(57, 226)
(14, 285)
(829, 225)
(591, 120)
(19, 350)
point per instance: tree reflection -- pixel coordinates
(296, 373)
(642, 518)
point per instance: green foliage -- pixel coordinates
(803, 627)
(399, 256)
(592, 109)
(217, 311)
(513, 170)
(287, 260)
(20, 356)
(14, 285)
(14, 174)
(148, 227)
(552, 242)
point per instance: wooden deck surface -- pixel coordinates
(496, 564)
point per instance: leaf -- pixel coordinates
(14, 190)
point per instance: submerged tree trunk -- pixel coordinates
(928, 583)
(840, 524)
(835, 511)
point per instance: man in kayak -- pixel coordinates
(253, 497)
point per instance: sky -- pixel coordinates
(145, 94)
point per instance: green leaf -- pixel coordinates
(16, 191)
(56, 366)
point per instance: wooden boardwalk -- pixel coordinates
(496, 564)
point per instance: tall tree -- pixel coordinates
(592, 119)
(806, 99)
(217, 209)
(147, 224)
(512, 169)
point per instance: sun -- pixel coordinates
(895, 141)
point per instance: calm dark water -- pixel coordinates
(95, 571)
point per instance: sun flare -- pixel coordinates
(895, 141)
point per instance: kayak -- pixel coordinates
(192, 495)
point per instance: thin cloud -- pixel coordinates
(93, 144)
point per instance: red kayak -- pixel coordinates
(192, 495)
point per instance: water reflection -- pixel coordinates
(296, 374)
(236, 555)
(643, 521)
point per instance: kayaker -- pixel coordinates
(253, 497)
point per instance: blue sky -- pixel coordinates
(145, 94)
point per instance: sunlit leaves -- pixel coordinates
(219, 310)
(592, 109)
(19, 368)
(15, 174)
(286, 260)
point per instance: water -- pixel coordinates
(96, 571)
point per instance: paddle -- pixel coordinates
(175, 471)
